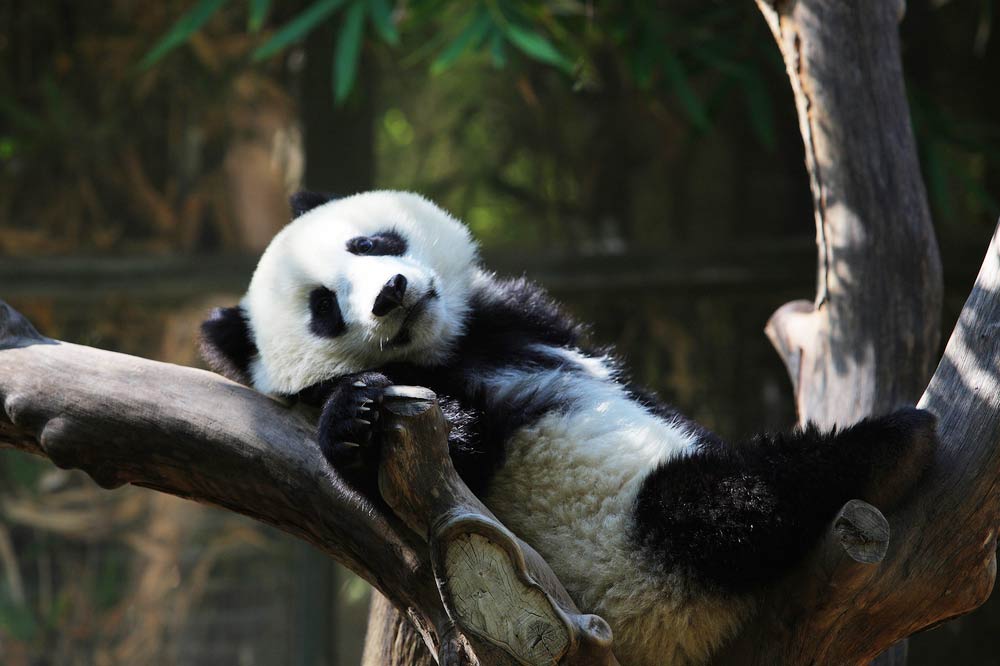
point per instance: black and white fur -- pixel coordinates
(648, 519)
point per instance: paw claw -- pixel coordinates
(351, 444)
(359, 384)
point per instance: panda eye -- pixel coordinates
(325, 318)
(380, 244)
(362, 245)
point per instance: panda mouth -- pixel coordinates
(404, 335)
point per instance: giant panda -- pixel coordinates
(650, 520)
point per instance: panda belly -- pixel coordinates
(568, 488)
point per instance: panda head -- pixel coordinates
(349, 285)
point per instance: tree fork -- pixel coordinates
(866, 342)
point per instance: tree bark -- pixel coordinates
(941, 559)
(194, 434)
(866, 343)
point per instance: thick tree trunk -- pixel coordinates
(868, 341)
(866, 344)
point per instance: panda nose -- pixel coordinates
(391, 296)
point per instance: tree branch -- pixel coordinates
(193, 434)
(941, 561)
(196, 435)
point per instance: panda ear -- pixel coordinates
(227, 343)
(304, 201)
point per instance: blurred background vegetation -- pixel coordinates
(641, 159)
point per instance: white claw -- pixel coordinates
(359, 384)
(363, 422)
(354, 444)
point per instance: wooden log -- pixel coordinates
(197, 435)
(194, 434)
(496, 588)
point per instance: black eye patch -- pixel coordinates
(378, 245)
(325, 319)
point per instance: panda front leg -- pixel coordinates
(737, 517)
(349, 421)
(348, 431)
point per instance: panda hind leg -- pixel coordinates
(738, 516)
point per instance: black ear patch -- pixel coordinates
(304, 201)
(227, 343)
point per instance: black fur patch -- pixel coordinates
(737, 517)
(227, 343)
(304, 201)
(384, 243)
(508, 319)
(325, 318)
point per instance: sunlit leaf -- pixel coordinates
(348, 50)
(537, 47)
(186, 26)
(297, 28)
(474, 30)
(689, 100)
(258, 12)
(381, 12)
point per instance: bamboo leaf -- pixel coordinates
(347, 51)
(186, 26)
(537, 47)
(759, 105)
(689, 100)
(258, 12)
(497, 51)
(381, 12)
(297, 28)
(475, 30)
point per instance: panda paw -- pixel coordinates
(349, 423)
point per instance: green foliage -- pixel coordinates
(348, 50)
(296, 29)
(478, 25)
(381, 13)
(536, 46)
(186, 26)
(258, 12)
(16, 619)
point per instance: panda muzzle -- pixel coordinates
(390, 297)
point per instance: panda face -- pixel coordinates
(355, 283)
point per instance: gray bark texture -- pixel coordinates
(866, 343)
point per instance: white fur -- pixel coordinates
(311, 251)
(568, 488)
